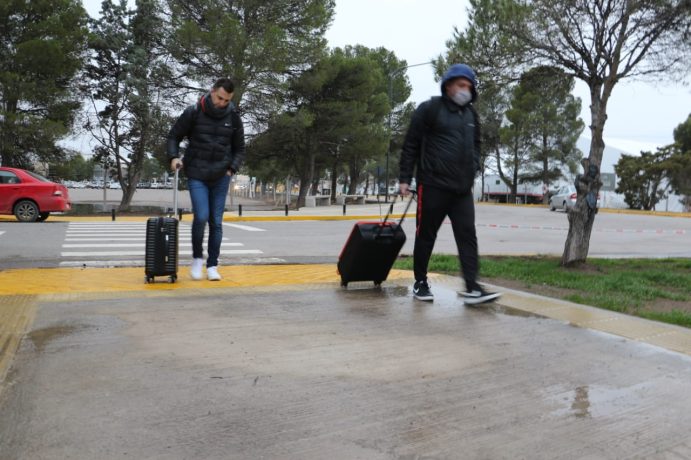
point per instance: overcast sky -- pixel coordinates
(641, 115)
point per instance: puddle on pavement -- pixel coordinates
(358, 288)
(588, 401)
(509, 311)
(42, 337)
(397, 291)
(581, 404)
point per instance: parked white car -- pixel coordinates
(565, 199)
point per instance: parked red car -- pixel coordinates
(30, 196)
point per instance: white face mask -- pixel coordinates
(462, 97)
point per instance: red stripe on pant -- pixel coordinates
(418, 216)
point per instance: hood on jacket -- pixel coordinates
(456, 71)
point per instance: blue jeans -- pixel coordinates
(208, 204)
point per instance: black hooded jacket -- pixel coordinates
(443, 144)
(216, 140)
(443, 141)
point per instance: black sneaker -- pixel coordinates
(421, 291)
(478, 295)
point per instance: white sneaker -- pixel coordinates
(212, 274)
(196, 269)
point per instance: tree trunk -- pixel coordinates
(545, 173)
(334, 178)
(127, 194)
(304, 186)
(306, 175)
(129, 186)
(355, 173)
(311, 179)
(582, 216)
(578, 239)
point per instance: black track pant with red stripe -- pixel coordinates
(433, 206)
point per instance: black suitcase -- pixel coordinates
(371, 250)
(161, 255)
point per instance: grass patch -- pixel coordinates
(658, 289)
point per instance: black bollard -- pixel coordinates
(112, 214)
(179, 214)
(344, 209)
(240, 210)
(391, 209)
(286, 210)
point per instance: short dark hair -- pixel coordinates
(225, 83)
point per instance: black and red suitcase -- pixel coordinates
(162, 240)
(371, 250)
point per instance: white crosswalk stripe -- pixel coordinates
(125, 245)
(91, 242)
(245, 227)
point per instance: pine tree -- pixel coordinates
(125, 80)
(41, 52)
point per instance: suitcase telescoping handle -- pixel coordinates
(405, 211)
(175, 192)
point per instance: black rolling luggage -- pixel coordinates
(161, 257)
(371, 250)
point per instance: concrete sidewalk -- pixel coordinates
(281, 362)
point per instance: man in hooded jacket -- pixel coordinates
(443, 146)
(215, 152)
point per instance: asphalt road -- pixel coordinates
(501, 230)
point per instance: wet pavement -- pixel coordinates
(281, 362)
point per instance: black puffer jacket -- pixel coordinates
(443, 143)
(216, 141)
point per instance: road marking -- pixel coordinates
(108, 225)
(2, 232)
(245, 227)
(103, 239)
(657, 231)
(113, 244)
(141, 253)
(103, 227)
(123, 245)
(140, 262)
(141, 232)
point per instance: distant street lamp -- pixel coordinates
(388, 150)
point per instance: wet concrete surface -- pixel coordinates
(315, 371)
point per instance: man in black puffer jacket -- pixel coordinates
(443, 145)
(215, 152)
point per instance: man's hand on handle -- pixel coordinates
(175, 163)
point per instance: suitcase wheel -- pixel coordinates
(344, 284)
(172, 278)
(378, 283)
(149, 279)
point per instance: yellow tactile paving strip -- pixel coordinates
(89, 280)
